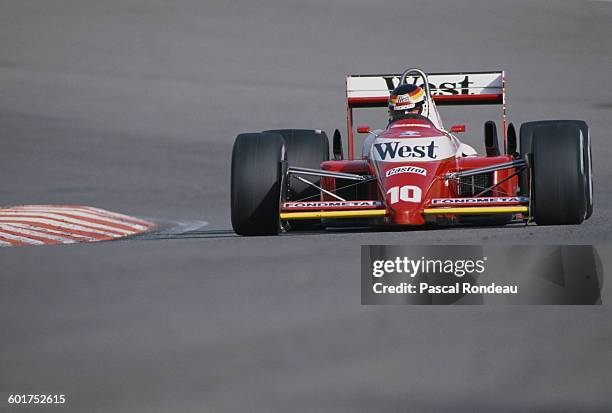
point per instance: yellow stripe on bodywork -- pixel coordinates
(477, 210)
(369, 213)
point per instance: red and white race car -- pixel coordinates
(414, 172)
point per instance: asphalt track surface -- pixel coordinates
(133, 106)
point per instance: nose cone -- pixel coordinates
(405, 187)
(399, 216)
(408, 186)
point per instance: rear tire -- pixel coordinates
(256, 180)
(559, 173)
(306, 148)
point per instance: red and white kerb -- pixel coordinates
(59, 224)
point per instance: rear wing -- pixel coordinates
(465, 88)
(453, 88)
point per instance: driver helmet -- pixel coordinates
(404, 100)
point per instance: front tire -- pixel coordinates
(526, 137)
(258, 164)
(559, 174)
(306, 148)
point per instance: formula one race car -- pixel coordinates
(414, 172)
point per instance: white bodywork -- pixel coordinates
(446, 84)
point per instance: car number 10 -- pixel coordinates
(406, 193)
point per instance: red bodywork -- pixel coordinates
(406, 206)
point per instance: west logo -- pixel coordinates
(393, 150)
(444, 88)
(403, 99)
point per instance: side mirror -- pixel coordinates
(363, 129)
(512, 142)
(491, 143)
(457, 128)
(337, 146)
